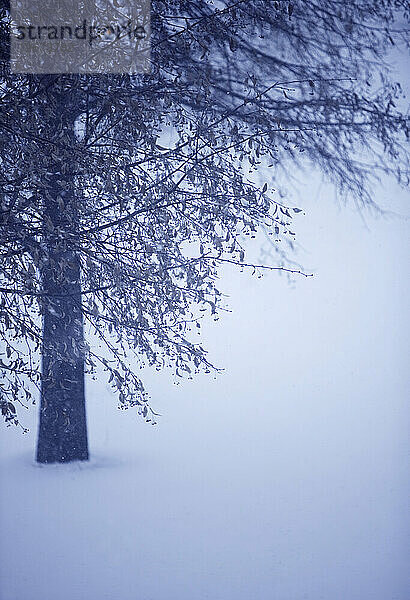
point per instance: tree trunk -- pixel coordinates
(63, 430)
(62, 435)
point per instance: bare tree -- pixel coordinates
(121, 195)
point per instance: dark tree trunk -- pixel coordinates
(62, 435)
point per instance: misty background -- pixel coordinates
(284, 477)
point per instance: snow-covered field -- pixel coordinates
(285, 478)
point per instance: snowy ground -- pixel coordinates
(283, 479)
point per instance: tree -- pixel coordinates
(121, 195)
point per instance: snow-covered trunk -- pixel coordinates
(62, 435)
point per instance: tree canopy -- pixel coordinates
(141, 182)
